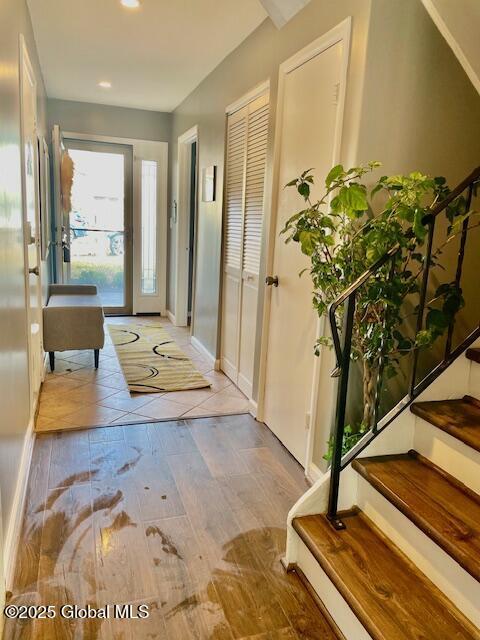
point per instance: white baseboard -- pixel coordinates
(14, 529)
(313, 472)
(204, 351)
(253, 408)
(171, 317)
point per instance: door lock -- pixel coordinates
(34, 271)
(271, 280)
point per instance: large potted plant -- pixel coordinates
(348, 230)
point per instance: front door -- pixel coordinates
(98, 227)
(308, 108)
(31, 224)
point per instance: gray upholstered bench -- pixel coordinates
(72, 320)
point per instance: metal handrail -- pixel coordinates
(343, 355)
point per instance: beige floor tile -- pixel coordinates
(218, 380)
(57, 424)
(58, 407)
(77, 395)
(113, 380)
(191, 397)
(89, 374)
(226, 401)
(95, 415)
(110, 364)
(60, 384)
(64, 366)
(162, 409)
(124, 401)
(91, 393)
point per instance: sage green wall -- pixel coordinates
(14, 394)
(104, 120)
(257, 59)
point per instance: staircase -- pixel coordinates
(393, 551)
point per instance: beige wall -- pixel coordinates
(254, 61)
(420, 113)
(104, 120)
(14, 396)
(459, 21)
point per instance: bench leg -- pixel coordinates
(51, 355)
(97, 357)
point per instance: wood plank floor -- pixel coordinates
(187, 517)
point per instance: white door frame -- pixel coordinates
(339, 33)
(34, 383)
(182, 235)
(144, 150)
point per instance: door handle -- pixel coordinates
(34, 271)
(271, 280)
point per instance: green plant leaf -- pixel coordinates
(333, 175)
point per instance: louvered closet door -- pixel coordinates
(233, 251)
(246, 158)
(257, 132)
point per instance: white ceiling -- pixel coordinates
(154, 56)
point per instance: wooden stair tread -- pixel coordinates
(442, 507)
(460, 418)
(387, 593)
(473, 354)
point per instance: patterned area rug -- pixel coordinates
(151, 361)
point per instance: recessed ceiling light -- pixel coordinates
(105, 84)
(131, 4)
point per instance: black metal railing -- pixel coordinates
(347, 301)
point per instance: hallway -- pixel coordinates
(76, 395)
(188, 517)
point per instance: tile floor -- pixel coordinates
(76, 395)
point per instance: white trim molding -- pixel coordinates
(14, 528)
(257, 91)
(204, 351)
(182, 230)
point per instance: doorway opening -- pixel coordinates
(98, 226)
(186, 218)
(192, 221)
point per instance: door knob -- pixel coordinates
(34, 271)
(271, 280)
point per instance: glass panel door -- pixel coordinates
(99, 222)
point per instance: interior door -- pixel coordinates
(307, 125)
(247, 139)
(31, 224)
(99, 223)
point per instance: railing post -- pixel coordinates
(423, 299)
(336, 467)
(458, 274)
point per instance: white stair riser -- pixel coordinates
(338, 608)
(438, 566)
(474, 381)
(449, 453)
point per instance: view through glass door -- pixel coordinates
(98, 227)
